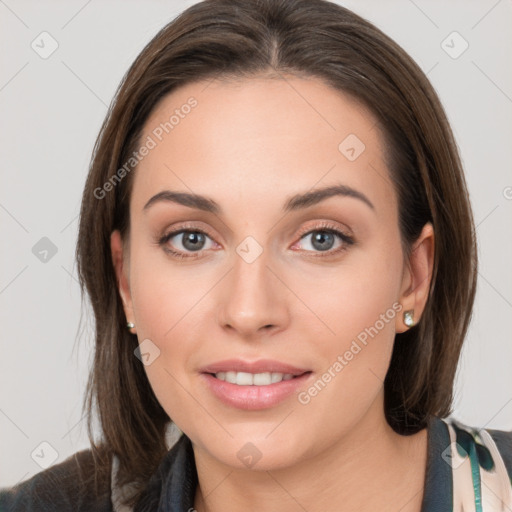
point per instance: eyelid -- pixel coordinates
(185, 226)
(324, 225)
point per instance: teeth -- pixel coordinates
(250, 379)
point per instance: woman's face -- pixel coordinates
(273, 276)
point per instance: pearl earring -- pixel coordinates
(130, 325)
(409, 318)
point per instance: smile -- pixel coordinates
(254, 391)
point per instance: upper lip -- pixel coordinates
(259, 366)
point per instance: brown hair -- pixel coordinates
(318, 39)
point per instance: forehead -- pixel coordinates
(249, 142)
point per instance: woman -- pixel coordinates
(278, 245)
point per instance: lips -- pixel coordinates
(248, 394)
(260, 366)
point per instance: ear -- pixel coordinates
(121, 267)
(416, 277)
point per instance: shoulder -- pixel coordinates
(497, 442)
(70, 485)
(482, 458)
(503, 440)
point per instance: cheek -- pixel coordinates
(163, 293)
(358, 308)
(170, 311)
(355, 296)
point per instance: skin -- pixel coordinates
(250, 145)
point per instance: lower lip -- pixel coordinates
(254, 397)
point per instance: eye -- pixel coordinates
(186, 241)
(323, 238)
(189, 242)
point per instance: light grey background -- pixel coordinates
(50, 113)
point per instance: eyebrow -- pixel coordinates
(294, 203)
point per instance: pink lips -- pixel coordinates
(261, 366)
(253, 397)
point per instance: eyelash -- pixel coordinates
(322, 227)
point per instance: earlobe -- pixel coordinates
(416, 281)
(119, 261)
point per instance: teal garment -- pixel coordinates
(468, 470)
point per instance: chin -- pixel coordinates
(258, 452)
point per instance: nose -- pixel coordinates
(253, 299)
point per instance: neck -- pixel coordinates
(370, 468)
